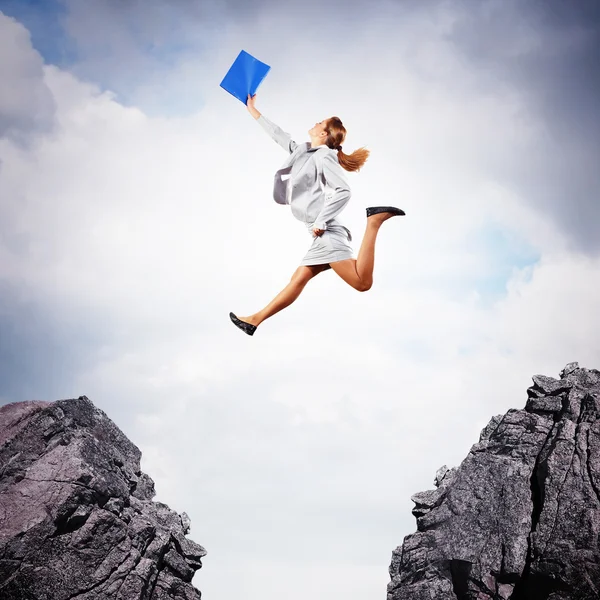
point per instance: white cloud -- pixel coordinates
(296, 451)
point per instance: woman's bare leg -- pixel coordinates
(359, 272)
(290, 292)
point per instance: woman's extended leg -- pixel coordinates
(359, 272)
(292, 290)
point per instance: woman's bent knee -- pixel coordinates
(363, 286)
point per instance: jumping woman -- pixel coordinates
(312, 182)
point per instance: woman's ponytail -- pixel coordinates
(336, 134)
(354, 161)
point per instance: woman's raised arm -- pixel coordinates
(281, 137)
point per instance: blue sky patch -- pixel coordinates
(44, 20)
(506, 253)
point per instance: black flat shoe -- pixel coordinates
(245, 327)
(375, 210)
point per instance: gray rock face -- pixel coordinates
(77, 520)
(520, 517)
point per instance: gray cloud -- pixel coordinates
(26, 104)
(549, 52)
(38, 355)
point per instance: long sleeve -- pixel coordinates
(335, 203)
(281, 137)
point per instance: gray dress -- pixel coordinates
(313, 183)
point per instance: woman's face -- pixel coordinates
(318, 130)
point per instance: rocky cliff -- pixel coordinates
(77, 520)
(520, 517)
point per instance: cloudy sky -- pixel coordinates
(136, 212)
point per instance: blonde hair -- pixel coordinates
(336, 134)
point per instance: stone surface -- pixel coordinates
(519, 519)
(77, 520)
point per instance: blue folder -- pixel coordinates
(244, 76)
